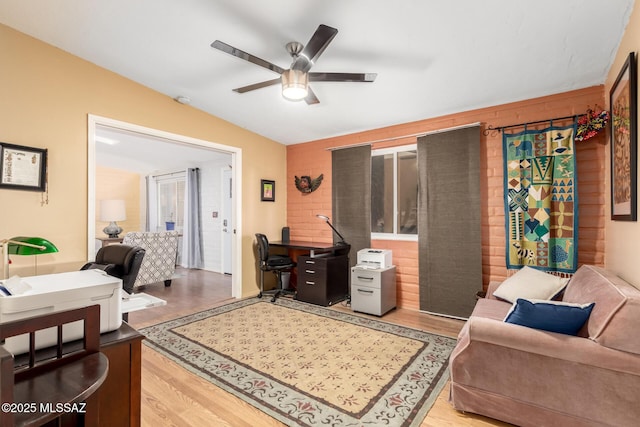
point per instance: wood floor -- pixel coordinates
(172, 396)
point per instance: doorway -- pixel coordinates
(233, 251)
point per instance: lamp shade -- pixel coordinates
(30, 246)
(112, 210)
(294, 85)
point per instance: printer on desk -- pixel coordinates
(50, 293)
(57, 292)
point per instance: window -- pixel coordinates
(394, 193)
(171, 201)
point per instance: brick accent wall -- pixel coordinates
(314, 158)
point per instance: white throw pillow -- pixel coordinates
(530, 283)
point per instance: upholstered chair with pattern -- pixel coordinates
(159, 262)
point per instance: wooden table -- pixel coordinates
(120, 393)
(109, 240)
(67, 389)
(117, 401)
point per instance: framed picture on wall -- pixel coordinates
(623, 102)
(267, 190)
(22, 168)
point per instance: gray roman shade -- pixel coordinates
(449, 234)
(351, 196)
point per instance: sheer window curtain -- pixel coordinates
(151, 216)
(192, 251)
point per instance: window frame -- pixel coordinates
(395, 235)
(174, 177)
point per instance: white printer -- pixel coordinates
(374, 258)
(373, 282)
(51, 293)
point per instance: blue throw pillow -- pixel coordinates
(553, 316)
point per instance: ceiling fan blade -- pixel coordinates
(257, 85)
(311, 97)
(314, 48)
(342, 77)
(246, 56)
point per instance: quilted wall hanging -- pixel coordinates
(541, 207)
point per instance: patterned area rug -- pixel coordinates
(308, 365)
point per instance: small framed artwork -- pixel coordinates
(623, 104)
(267, 190)
(22, 168)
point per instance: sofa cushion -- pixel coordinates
(554, 316)
(491, 309)
(530, 283)
(615, 319)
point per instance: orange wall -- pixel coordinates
(314, 158)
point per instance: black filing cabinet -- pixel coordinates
(323, 280)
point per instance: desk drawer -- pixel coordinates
(312, 266)
(366, 278)
(311, 270)
(366, 300)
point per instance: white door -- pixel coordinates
(227, 221)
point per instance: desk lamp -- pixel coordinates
(326, 219)
(24, 246)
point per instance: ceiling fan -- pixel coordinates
(295, 80)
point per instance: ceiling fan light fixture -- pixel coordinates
(294, 85)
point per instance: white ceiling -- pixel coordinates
(432, 57)
(146, 154)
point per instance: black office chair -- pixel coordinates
(121, 261)
(275, 263)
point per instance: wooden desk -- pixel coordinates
(120, 393)
(38, 391)
(313, 248)
(118, 398)
(70, 386)
(322, 274)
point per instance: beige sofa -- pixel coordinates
(531, 377)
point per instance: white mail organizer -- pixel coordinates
(374, 258)
(51, 293)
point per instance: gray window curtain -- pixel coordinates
(449, 233)
(192, 255)
(351, 196)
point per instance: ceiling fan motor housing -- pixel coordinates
(294, 49)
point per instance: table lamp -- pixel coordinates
(112, 211)
(326, 219)
(24, 246)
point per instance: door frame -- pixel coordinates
(236, 172)
(227, 207)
